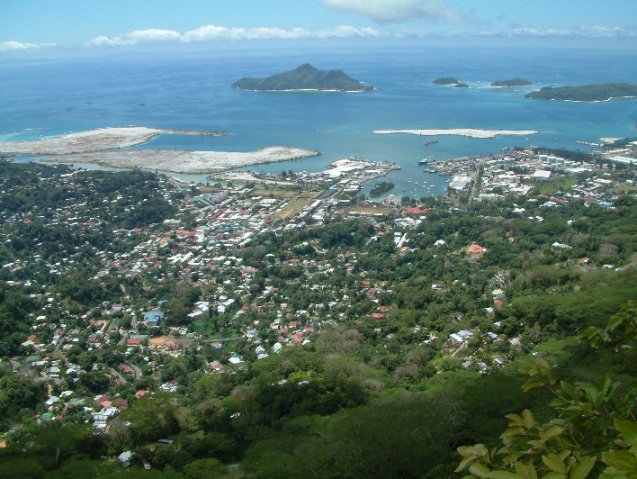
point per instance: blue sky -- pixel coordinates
(47, 24)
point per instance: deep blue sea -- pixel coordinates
(41, 98)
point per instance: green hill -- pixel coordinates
(450, 81)
(305, 77)
(596, 92)
(513, 82)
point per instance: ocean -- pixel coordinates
(42, 98)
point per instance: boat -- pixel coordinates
(424, 161)
(431, 142)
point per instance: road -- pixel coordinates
(120, 379)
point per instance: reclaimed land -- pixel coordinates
(468, 132)
(109, 147)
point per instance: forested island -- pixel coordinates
(511, 83)
(450, 81)
(305, 77)
(380, 188)
(586, 93)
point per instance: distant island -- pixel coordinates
(513, 82)
(305, 77)
(450, 81)
(380, 188)
(586, 93)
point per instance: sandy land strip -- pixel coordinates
(178, 161)
(102, 139)
(469, 132)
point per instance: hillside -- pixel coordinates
(305, 77)
(595, 92)
(511, 83)
(450, 81)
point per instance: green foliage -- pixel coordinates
(304, 77)
(151, 418)
(204, 469)
(16, 395)
(517, 81)
(594, 429)
(597, 92)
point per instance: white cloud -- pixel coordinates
(594, 31)
(216, 32)
(392, 11)
(136, 36)
(12, 45)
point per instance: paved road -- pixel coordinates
(117, 374)
(137, 370)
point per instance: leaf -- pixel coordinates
(628, 429)
(554, 475)
(550, 432)
(526, 471)
(532, 383)
(480, 470)
(467, 460)
(529, 421)
(515, 420)
(504, 475)
(475, 450)
(620, 460)
(583, 467)
(614, 322)
(513, 431)
(568, 390)
(554, 463)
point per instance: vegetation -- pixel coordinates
(586, 93)
(380, 388)
(517, 81)
(592, 434)
(304, 77)
(450, 81)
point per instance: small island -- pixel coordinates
(304, 78)
(586, 93)
(517, 81)
(380, 188)
(450, 81)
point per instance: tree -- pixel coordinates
(594, 430)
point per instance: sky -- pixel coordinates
(27, 25)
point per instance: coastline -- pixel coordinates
(327, 90)
(466, 132)
(90, 141)
(181, 161)
(630, 97)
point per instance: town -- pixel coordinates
(144, 285)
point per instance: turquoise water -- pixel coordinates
(59, 96)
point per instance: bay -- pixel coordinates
(193, 92)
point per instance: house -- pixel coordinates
(475, 250)
(153, 318)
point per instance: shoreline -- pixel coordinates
(327, 90)
(466, 132)
(97, 140)
(181, 161)
(631, 97)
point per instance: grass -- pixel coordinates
(293, 208)
(552, 187)
(282, 194)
